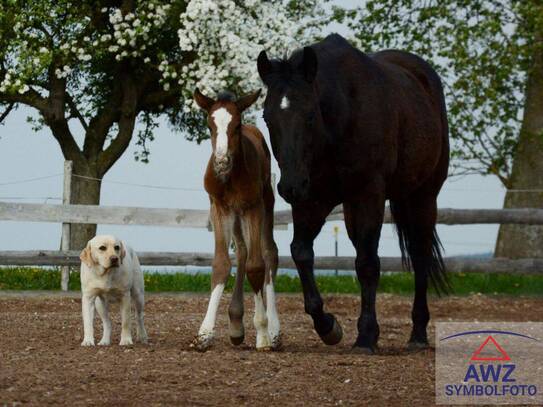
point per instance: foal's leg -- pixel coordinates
(223, 223)
(235, 310)
(308, 220)
(251, 223)
(269, 253)
(363, 220)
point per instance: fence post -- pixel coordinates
(65, 240)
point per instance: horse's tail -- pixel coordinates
(409, 227)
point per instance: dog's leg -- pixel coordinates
(126, 332)
(102, 308)
(140, 327)
(87, 304)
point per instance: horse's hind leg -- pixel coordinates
(251, 225)
(269, 254)
(235, 310)
(223, 223)
(415, 221)
(364, 220)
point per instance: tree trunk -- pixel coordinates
(84, 192)
(516, 241)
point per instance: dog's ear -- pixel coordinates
(86, 256)
(123, 252)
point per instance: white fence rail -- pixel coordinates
(199, 218)
(392, 264)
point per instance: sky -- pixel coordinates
(177, 163)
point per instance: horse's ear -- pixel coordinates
(202, 100)
(309, 64)
(245, 101)
(264, 66)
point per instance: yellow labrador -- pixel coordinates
(110, 271)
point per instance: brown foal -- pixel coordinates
(238, 182)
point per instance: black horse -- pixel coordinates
(358, 129)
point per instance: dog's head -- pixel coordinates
(105, 251)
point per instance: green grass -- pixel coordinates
(25, 278)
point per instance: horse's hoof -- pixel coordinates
(334, 336)
(202, 342)
(237, 340)
(363, 350)
(264, 349)
(414, 346)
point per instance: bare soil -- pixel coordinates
(41, 361)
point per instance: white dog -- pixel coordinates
(110, 271)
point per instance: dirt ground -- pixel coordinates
(41, 361)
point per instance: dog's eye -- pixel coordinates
(117, 248)
(103, 248)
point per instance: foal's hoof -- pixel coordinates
(415, 346)
(202, 342)
(362, 350)
(334, 336)
(236, 341)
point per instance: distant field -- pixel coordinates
(24, 278)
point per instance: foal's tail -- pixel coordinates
(421, 249)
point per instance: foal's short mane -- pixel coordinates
(226, 96)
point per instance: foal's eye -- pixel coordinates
(102, 248)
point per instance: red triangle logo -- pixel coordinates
(477, 354)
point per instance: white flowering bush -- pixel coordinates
(166, 48)
(100, 67)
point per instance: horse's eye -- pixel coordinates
(102, 248)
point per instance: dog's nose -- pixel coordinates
(114, 259)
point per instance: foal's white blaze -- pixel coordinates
(261, 323)
(285, 103)
(208, 325)
(222, 118)
(273, 319)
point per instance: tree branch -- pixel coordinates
(6, 112)
(55, 117)
(127, 122)
(75, 111)
(30, 98)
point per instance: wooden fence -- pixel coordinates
(195, 218)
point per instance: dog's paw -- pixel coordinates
(126, 342)
(87, 342)
(104, 342)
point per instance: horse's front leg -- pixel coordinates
(364, 221)
(308, 221)
(223, 223)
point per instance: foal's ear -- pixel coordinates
(245, 101)
(86, 256)
(309, 64)
(264, 66)
(202, 100)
